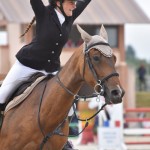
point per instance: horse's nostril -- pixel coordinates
(115, 92)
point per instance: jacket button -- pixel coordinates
(60, 34)
(53, 52)
(49, 60)
(56, 43)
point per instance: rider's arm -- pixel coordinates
(79, 8)
(38, 7)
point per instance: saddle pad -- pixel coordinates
(20, 98)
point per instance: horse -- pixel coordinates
(24, 126)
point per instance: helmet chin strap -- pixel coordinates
(61, 8)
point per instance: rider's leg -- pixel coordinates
(17, 74)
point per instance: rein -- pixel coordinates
(99, 82)
(77, 97)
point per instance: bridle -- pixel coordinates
(99, 83)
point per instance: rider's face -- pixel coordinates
(68, 6)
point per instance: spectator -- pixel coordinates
(141, 77)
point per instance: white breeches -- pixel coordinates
(17, 74)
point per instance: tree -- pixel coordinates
(134, 61)
(130, 53)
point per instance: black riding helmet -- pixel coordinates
(53, 4)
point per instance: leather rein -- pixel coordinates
(99, 83)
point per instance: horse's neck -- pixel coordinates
(70, 75)
(71, 79)
(57, 100)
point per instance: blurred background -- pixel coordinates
(128, 26)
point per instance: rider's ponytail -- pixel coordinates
(53, 4)
(29, 26)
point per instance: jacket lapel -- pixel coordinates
(55, 17)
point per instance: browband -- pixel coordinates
(99, 43)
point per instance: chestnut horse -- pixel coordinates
(93, 63)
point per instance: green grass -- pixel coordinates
(143, 99)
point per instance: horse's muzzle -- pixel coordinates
(114, 96)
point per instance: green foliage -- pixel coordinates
(130, 53)
(143, 99)
(131, 56)
(134, 61)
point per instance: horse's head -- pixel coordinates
(98, 68)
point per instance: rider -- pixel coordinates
(53, 25)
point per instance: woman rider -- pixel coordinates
(53, 25)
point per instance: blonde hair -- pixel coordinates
(28, 27)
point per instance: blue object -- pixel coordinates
(106, 124)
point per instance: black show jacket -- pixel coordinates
(43, 53)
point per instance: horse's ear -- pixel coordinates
(85, 36)
(103, 33)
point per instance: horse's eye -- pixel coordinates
(96, 58)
